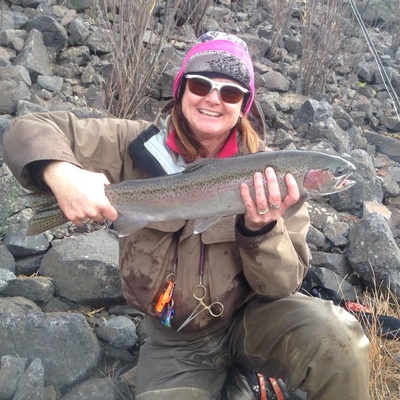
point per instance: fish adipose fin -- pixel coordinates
(195, 165)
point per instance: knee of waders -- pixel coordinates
(243, 384)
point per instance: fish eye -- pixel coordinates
(340, 171)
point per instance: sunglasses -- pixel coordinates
(228, 92)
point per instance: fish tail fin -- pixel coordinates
(45, 220)
(40, 201)
(47, 215)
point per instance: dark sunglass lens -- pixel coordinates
(199, 87)
(230, 94)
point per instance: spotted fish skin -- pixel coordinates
(209, 188)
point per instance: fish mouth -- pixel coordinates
(342, 182)
(341, 179)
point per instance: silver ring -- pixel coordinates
(262, 212)
(86, 221)
(275, 206)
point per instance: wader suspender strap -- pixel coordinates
(263, 389)
(276, 388)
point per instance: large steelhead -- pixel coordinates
(209, 189)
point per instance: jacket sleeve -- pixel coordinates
(276, 262)
(95, 144)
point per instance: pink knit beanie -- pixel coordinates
(221, 54)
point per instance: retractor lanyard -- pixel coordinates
(202, 262)
(165, 303)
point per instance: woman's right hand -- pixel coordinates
(79, 193)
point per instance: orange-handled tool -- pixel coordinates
(165, 296)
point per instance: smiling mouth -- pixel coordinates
(209, 113)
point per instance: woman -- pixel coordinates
(249, 267)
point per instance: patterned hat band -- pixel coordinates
(219, 62)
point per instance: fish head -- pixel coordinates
(331, 179)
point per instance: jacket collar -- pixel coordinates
(230, 148)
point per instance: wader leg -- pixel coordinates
(175, 394)
(310, 343)
(178, 365)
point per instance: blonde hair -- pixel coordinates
(250, 138)
(191, 149)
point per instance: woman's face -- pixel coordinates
(210, 118)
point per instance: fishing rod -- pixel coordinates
(385, 78)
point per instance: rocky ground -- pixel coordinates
(64, 327)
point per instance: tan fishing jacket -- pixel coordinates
(236, 267)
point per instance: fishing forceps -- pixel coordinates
(215, 309)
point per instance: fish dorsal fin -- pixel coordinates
(195, 165)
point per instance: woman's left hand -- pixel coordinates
(268, 205)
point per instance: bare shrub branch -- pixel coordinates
(282, 12)
(127, 22)
(194, 12)
(137, 41)
(324, 35)
(392, 24)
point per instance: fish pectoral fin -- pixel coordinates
(126, 225)
(296, 207)
(201, 225)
